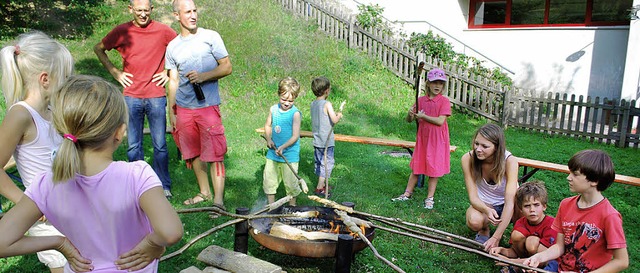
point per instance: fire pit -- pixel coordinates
(327, 221)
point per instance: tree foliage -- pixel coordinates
(69, 19)
(438, 47)
(370, 16)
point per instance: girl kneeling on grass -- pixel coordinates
(491, 178)
(114, 213)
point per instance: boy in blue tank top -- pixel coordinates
(282, 132)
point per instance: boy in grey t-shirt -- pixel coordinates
(323, 118)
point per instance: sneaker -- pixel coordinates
(481, 238)
(167, 194)
(321, 193)
(401, 198)
(428, 203)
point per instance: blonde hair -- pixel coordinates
(494, 134)
(91, 110)
(289, 85)
(33, 53)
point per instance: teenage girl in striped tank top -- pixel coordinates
(491, 179)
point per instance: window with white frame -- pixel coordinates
(548, 13)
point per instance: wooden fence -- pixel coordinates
(595, 119)
(341, 24)
(600, 120)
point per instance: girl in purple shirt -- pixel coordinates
(114, 214)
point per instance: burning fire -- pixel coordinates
(336, 228)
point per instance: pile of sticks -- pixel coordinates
(392, 225)
(415, 231)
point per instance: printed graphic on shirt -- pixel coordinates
(585, 236)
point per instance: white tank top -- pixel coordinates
(493, 194)
(36, 156)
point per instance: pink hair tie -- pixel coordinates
(70, 137)
(17, 51)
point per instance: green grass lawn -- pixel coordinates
(267, 44)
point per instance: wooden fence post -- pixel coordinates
(560, 115)
(350, 32)
(506, 100)
(624, 123)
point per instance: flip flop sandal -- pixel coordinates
(193, 200)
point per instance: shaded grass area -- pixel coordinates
(267, 44)
(68, 19)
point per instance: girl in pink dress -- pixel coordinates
(431, 155)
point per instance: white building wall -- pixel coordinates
(631, 84)
(581, 61)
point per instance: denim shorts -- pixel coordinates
(318, 155)
(499, 209)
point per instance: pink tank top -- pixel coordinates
(36, 156)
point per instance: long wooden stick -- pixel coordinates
(197, 238)
(326, 147)
(355, 229)
(461, 247)
(302, 214)
(416, 86)
(447, 242)
(335, 205)
(435, 237)
(444, 233)
(268, 207)
(303, 184)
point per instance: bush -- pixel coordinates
(438, 47)
(370, 16)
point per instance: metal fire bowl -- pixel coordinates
(301, 248)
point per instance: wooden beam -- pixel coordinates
(235, 262)
(367, 140)
(542, 165)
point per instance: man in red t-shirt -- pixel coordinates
(142, 43)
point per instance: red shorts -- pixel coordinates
(199, 133)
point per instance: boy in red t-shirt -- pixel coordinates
(532, 233)
(590, 235)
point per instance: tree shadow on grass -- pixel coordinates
(91, 66)
(67, 19)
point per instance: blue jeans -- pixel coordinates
(155, 110)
